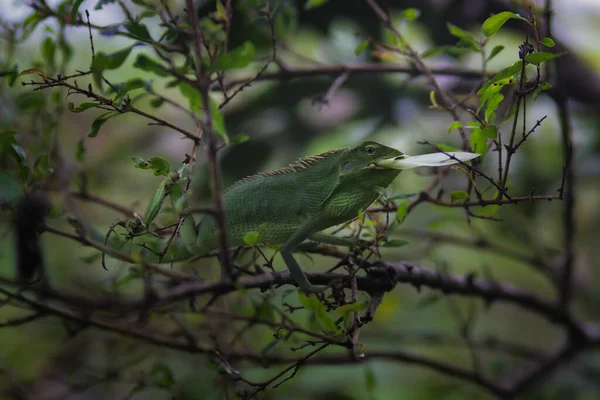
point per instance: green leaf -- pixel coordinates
(370, 381)
(459, 33)
(102, 3)
(160, 165)
(239, 57)
(162, 375)
(541, 88)
(98, 122)
(66, 49)
(192, 94)
(30, 101)
(490, 131)
(138, 31)
(548, 42)
(314, 4)
(82, 107)
(403, 196)
(540, 57)
(41, 167)
(145, 63)
(346, 309)
(132, 84)
(454, 125)
(446, 148)
(402, 210)
(395, 243)
(495, 51)
(240, 138)
(469, 44)
(10, 75)
(75, 10)
(495, 22)
(324, 319)
(80, 151)
(48, 51)
(410, 14)
(156, 102)
(103, 61)
(479, 142)
(458, 195)
(492, 105)
(252, 238)
(218, 121)
(361, 47)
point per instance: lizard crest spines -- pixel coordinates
(299, 165)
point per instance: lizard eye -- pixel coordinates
(370, 149)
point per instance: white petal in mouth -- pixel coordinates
(427, 160)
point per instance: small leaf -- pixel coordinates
(479, 142)
(145, 63)
(98, 122)
(156, 102)
(80, 151)
(361, 47)
(103, 61)
(75, 9)
(192, 94)
(410, 14)
(395, 243)
(130, 85)
(491, 107)
(446, 148)
(403, 196)
(454, 125)
(102, 3)
(490, 131)
(82, 107)
(314, 4)
(350, 308)
(402, 211)
(548, 42)
(48, 51)
(458, 195)
(468, 44)
(495, 51)
(33, 71)
(252, 238)
(458, 32)
(162, 376)
(370, 382)
(138, 31)
(495, 22)
(539, 57)
(218, 121)
(239, 57)
(41, 167)
(240, 138)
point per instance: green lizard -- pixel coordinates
(291, 204)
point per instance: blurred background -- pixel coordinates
(284, 120)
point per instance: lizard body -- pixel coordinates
(289, 205)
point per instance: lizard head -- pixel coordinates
(372, 156)
(362, 165)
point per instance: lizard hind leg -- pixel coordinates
(286, 252)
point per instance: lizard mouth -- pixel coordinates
(387, 163)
